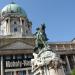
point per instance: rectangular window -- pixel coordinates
(15, 29)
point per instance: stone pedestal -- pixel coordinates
(46, 62)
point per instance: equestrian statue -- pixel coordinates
(40, 38)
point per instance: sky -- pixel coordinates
(58, 16)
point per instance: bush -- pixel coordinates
(73, 72)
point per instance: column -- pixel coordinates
(64, 47)
(27, 72)
(69, 68)
(2, 71)
(20, 21)
(56, 47)
(21, 25)
(14, 72)
(9, 25)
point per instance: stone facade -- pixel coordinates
(16, 41)
(64, 49)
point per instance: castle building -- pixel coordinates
(17, 43)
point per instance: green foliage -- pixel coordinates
(73, 72)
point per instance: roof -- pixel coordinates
(13, 8)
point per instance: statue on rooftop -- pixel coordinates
(41, 38)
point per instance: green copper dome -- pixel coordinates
(13, 8)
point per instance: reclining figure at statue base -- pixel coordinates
(53, 61)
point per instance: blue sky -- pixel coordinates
(58, 15)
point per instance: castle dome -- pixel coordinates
(13, 8)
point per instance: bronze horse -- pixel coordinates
(40, 38)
